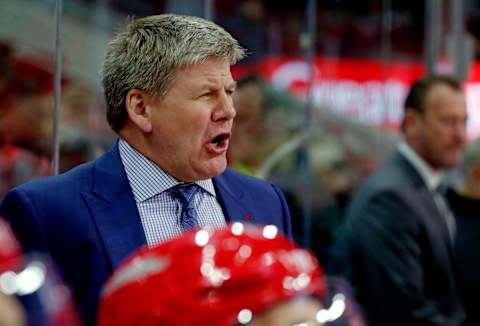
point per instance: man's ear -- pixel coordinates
(138, 109)
(411, 122)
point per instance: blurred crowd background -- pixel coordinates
(319, 97)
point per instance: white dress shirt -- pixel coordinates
(159, 211)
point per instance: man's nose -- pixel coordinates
(224, 109)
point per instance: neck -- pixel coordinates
(137, 140)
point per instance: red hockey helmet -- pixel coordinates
(10, 249)
(210, 277)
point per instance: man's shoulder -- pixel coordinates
(395, 173)
(256, 197)
(393, 179)
(232, 176)
(394, 188)
(238, 183)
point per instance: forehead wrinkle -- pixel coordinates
(216, 83)
(215, 86)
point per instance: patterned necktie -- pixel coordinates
(184, 193)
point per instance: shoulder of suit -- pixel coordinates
(230, 175)
(390, 176)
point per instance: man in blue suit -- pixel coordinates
(168, 88)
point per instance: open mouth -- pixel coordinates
(219, 143)
(219, 139)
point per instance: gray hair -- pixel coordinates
(147, 55)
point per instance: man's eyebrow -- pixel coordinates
(209, 85)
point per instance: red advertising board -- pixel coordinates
(368, 91)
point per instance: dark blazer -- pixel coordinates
(87, 219)
(467, 252)
(395, 250)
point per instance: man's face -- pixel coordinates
(191, 124)
(440, 137)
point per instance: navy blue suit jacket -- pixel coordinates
(88, 221)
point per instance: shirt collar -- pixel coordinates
(146, 178)
(432, 178)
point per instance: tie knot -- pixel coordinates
(184, 192)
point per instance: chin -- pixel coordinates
(220, 168)
(214, 168)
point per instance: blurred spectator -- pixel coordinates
(240, 275)
(25, 102)
(266, 119)
(247, 145)
(22, 146)
(28, 124)
(26, 107)
(396, 243)
(6, 72)
(266, 141)
(465, 203)
(84, 135)
(18, 165)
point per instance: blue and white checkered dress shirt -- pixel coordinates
(159, 211)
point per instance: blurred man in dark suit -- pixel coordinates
(464, 200)
(169, 89)
(396, 244)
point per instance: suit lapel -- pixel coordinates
(113, 208)
(233, 201)
(435, 219)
